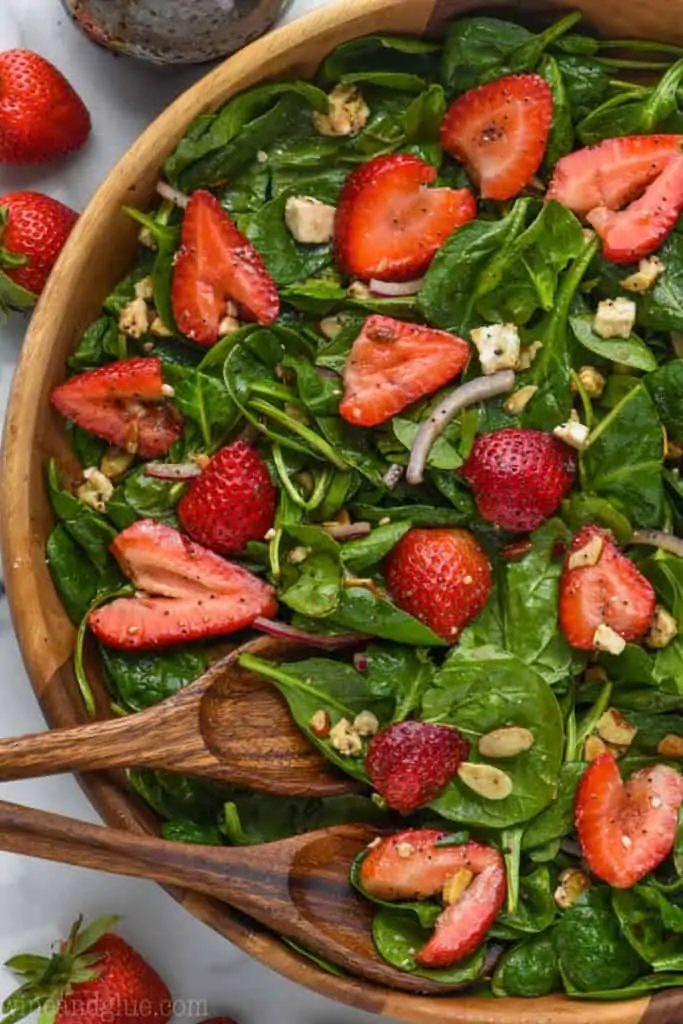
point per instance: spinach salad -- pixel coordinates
(446, 367)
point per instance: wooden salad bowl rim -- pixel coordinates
(97, 254)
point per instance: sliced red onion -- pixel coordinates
(360, 661)
(475, 391)
(347, 531)
(393, 475)
(326, 372)
(172, 470)
(283, 631)
(658, 539)
(395, 289)
(174, 196)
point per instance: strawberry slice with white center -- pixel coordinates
(626, 830)
(217, 263)
(600, 586)
(500, 132)
(125, 404)
(637, 231)
(411, 866)
(613, 173)
(389, 225)
(392, 364)
(186, 592)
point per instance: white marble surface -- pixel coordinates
(38, 900)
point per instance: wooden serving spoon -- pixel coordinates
(230, 725)
(299, 887)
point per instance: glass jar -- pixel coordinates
(175, 31)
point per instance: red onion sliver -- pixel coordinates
(283, 631)
(347, 531)
(658, 539)
(172, 470)
(174, 196)
(394, 289)
(477, 390)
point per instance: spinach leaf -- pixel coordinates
(582, 509)
(167, 240)
(561, 138)
(322, 684)
(380, 53)
(593, 954)
(402, 673)
(628, 351)
(481, 689)
(656, 937)
(557, 820)
(90, 530)
(211, 134)
(536, 908)
(144, 497)
(203, 399)
(184, 830)
(623, 459)
(398, 936)
(252, 818)
(364, 611)
(641, 987)
(417, 515)
(75, 577)
(361, 555)
(124, 292)
(175, 796)
(443, 454)
(140, 680)
(530, 969)
(320, 394)
(99, 344)
(423, 124)
(665, 572)
(661, 307)
(87, 448)
(665, 386)
(312, 572)
(638, 112)
(586, 83)
(425, 911)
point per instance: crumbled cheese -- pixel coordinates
(615, 318)
(159, 328)
(518, 401)
(592, 381)
(589, 554)
(358, 290)
(134, 318)
(606, 639)
(298, 555)
(96, 491)
(144, 289)
(345, 739)
(528, 354)
(146, 238)
(663, 628)
(647, 273)
(309, 221)
(330, 326)
(573, 432)
(366, 724)
(498, 347)
(228, 325)
(168, 391)
(347, 113)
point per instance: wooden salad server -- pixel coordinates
(299, 887)
(230, 725)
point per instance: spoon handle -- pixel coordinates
(116, 743)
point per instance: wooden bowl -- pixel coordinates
(99, 251)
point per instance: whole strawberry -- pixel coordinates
(41, 116)
(411, 762)
(519, 477)
(94, 977)
(232, 502)
(441, 577)
(33, 229)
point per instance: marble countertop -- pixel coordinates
(39, 900)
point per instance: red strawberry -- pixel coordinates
(626, 830)
(389, 225)
(188, 593)
(612, 173)
(124, 403)
(41, 117)
(412, 866)
(642, 227)
(440, 576)
(392, 364)
(33, 230)
(217, 263)
(95, 977)
(519, 477)
(500, 132)
(232, 502)
(411, 762)
(607, 589)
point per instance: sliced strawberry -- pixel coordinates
(612, 173)
(411, 866)
(626, 830)
(607, 589)
(642, 227)
(500, 132)
(217, 263)
(392, 364)
(124, 403)
(389, 225)
(188, 592)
